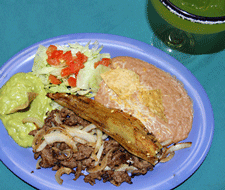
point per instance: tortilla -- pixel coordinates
(30, 97)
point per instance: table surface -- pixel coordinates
(24, 23)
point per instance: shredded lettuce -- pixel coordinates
(88, 78)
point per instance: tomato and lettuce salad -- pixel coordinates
(71, 68)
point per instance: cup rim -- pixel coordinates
(192, 17)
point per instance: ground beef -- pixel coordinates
(53, 156)
(69, 118)
(65, 116)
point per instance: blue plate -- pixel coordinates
(165, 175)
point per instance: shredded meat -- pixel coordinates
(54, 156)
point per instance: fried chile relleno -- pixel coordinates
(124, 128)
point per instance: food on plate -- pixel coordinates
(71, 68)
(90, 140)
(125, 131)
(150, 94)
(30, 97)
(23, 97)
(138, 95)
(124, 128)
(97, 156)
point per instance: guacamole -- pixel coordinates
(12, 95)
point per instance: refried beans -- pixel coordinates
(178, 107)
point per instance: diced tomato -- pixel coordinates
(65, 72)
(50, 49)
(56, 54)
(75, 67)
(55, 57)
(53, 61)
(80, 56)
(72, 81)
(97, 64)
(54, 80)
(77, 61)
(105, 61)
(67, 57)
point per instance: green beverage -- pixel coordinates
(206, 8)
(194, 24)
